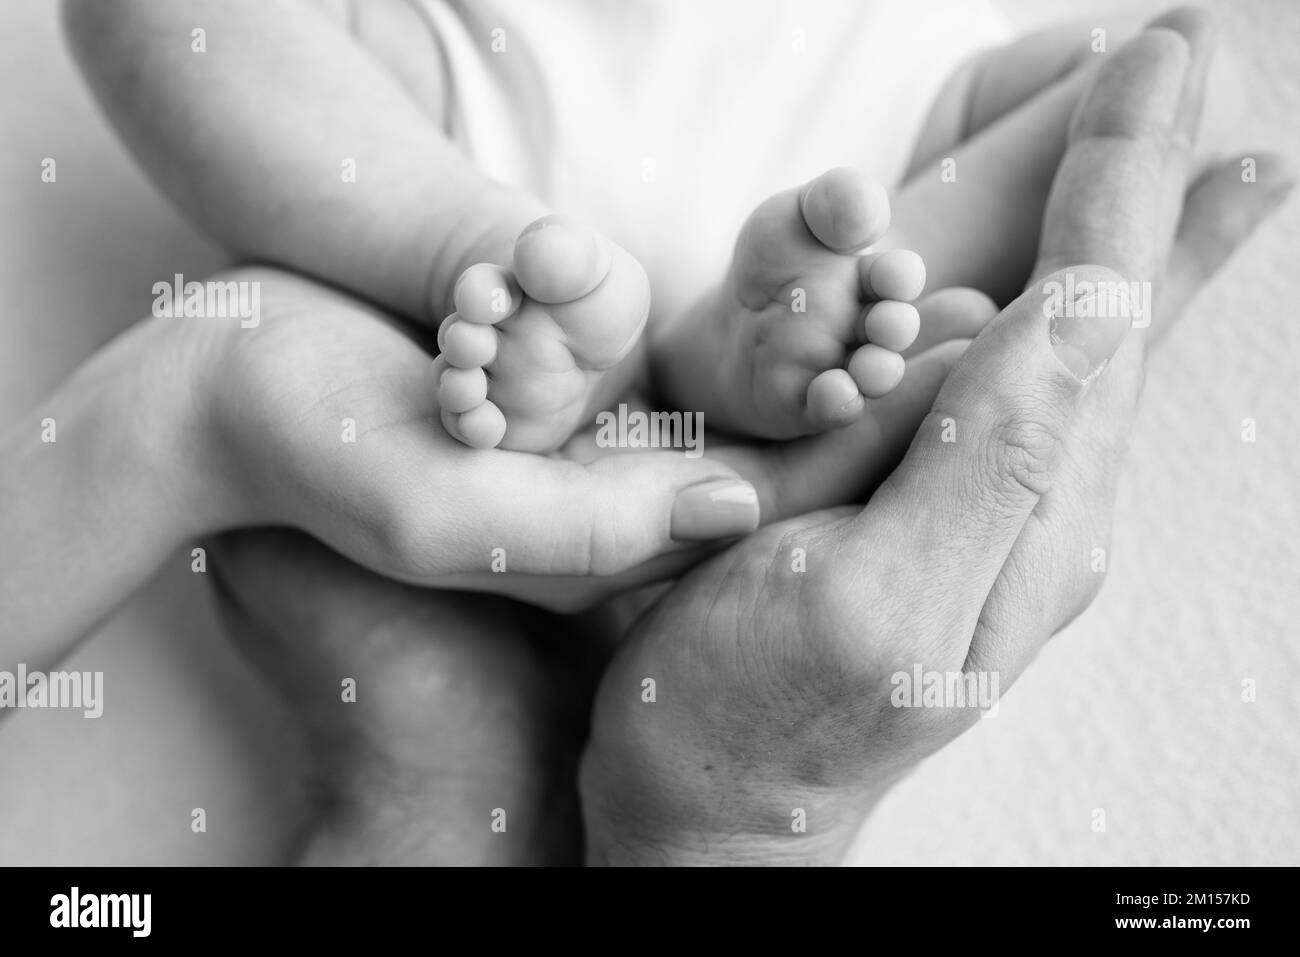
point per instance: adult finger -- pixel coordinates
(1105, 205)
(528, 514)
(1072, 525)
(957, 312)
(1222, 209)
(832, 468)
(421, 508)
(987, 452)
(963, 110)
(821, 471)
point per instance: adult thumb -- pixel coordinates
(548, 516)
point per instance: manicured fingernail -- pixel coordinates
(723, 508)
(1088, 329)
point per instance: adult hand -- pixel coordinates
(972, 201)
(326, 419)
(773, 664)
(549, 531)
(424, 711)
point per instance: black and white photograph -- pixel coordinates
(458, 433)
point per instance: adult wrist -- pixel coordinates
(638, 816)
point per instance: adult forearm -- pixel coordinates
(99, 482)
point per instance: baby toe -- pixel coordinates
(460, 390)
(833, 399)
(466, 345)
(482, 427)
(875, 370)
(486, 294)
(896, 274)
(891, 324)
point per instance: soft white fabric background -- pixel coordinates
(1136, 709)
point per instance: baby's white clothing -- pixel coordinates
(665, 122)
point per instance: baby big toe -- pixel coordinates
(558, 259)
(845, 209)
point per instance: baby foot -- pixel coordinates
(803, 331)
(526, 347)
